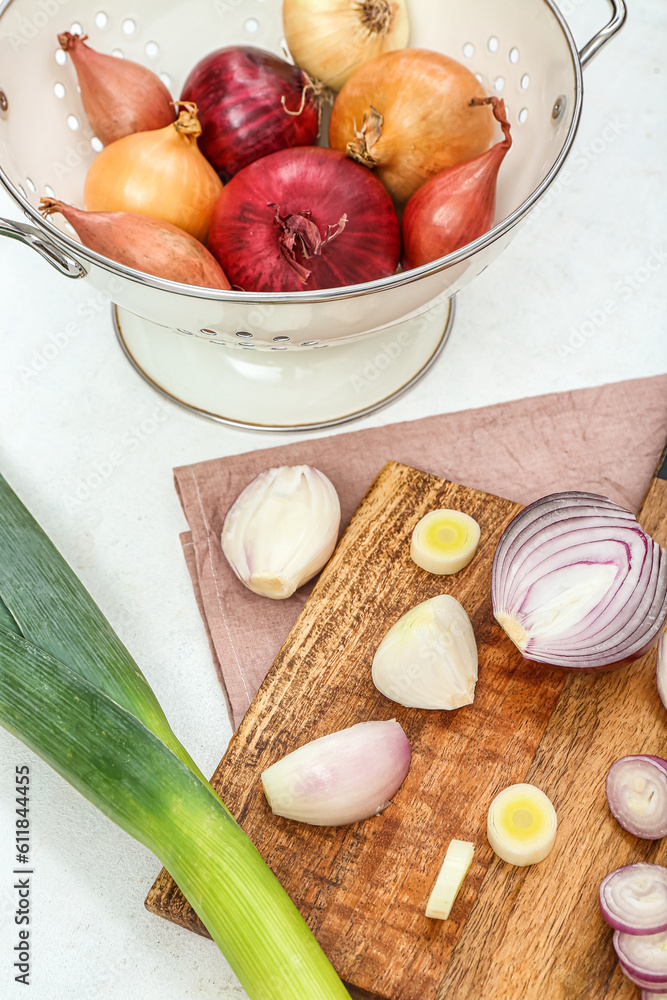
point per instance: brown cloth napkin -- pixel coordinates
(606, 440)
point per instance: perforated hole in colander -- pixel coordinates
(101, 20)
(59, 90)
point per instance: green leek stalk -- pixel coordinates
(52, 608)
(109, 756)
(71, 692)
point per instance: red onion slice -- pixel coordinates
(643, 958)
(633, 899)
(577, 583)
(636, 789)
(661, 668)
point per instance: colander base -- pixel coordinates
(289, 389)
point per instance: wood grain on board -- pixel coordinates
(534, 932)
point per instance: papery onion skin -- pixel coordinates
(623, 891)
(160, 173)
(537, 550)
(251, 103)
(621, 793)
(456, 206)
(426, 120)
(119, 96)
(331, 39)
(144, 243)
(343, 199)
(340, 778)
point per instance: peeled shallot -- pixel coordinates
(119, 96)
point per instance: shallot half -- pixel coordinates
(144, 243)
(160, 173)
(407, 115)
(457, 205)
(340, 778)
(119, 96)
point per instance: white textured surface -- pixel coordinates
(576, 300)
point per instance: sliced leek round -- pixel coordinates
(454, 869)
(521, 825)
(444, 541)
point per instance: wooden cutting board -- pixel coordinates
(534, 932)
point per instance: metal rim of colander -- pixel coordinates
(326, 294)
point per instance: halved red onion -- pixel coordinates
(633, 899)
(661, 668)
(636, 789)
(643, 958)
(340, 778)
(577, 583)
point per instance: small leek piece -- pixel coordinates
(428, 658)
(521, 825)
(282, 529)
(444, 541)
(342, 777)
(454, 869)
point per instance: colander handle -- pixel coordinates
(591, 48)
(32, 237)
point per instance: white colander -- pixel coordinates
(259, 360)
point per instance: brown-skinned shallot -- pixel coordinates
(144, 243)
(119, 96)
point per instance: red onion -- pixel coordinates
(457, 205)
(643, 958)
(304, 219)
(636, 789)
(250, 103)
(661, 668)
(577, 583)
(340, 778)
(633, 899)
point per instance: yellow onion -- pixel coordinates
(408, 115)
(160, 173)
(331, 39)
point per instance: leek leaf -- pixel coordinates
(6, 619)
(55, 612)
(119, 765)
